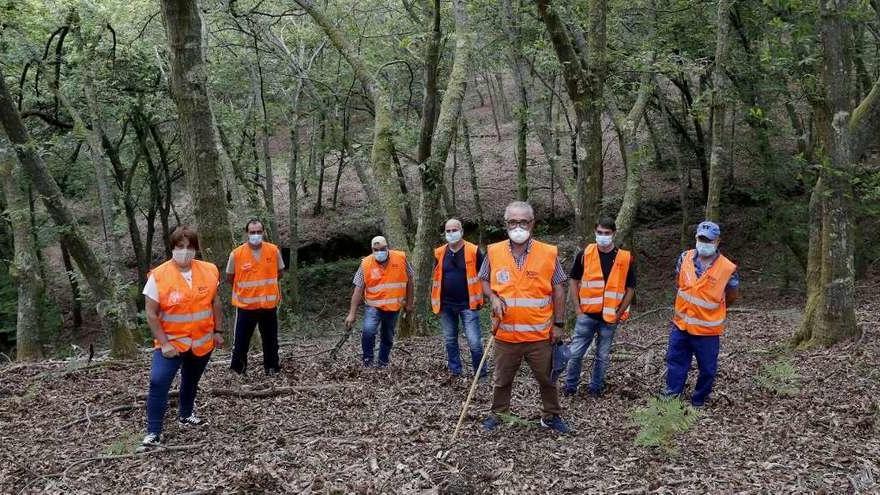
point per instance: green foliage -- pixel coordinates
(511, 419)
(779, 377)
(127, 443)
(661, 421)
(8, 309)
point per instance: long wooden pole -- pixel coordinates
(470, 396)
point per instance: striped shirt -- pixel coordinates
(559, 275)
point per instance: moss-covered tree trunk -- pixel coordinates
(583, 60)
(382, 155)
(433, 171)
(633, 158)
(829, 314)
(720, 120)
(199, 142)
(112, 307)
(25, 266)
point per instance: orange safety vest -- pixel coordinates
(385, 286)
(256, 282)
(186, 313)
(527, 292)
(597, 295)
(475, 288)
(700, 305)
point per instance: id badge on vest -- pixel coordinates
(502, 276)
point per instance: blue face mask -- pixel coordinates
(381, 256)
(705, 249)
(255, 239)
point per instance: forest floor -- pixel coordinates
(329, 426)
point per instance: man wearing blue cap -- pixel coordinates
(707, 283)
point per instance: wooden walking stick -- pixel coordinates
(470, 395)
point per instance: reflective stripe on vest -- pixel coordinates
(598, 295)
(527, 291)
(700, 307)
(474, 284)
(385, 286)
(255, 299)
(381, 287)
(186, 317)
(256, 281)
(378, 303)
(696, 300)
(523, 302)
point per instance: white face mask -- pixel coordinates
(604, 240)
(381, 256)
(183, 257)
(705, 249)
(255, 239)
(453, 237)
(518, 235)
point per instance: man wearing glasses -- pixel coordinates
(457, 295)
(253, 270)
(384, 282)
(601, 285)
(524, 281)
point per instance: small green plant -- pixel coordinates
(125, 444)
(511, 419)
(779, 377)
(661, 420)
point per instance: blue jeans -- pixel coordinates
(470, 320)
(377, 320)
(682, 348)
(585, 331)
(162, 373)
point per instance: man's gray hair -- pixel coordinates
(456, 221)
(519, 205)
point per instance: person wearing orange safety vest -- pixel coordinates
(601, 285)
(707, 283)
(525, 283)
(457, 294)
(184, 315)
(383, 281)
(253, 270)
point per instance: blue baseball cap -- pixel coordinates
(708, 229)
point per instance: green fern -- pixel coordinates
(661, 420)
(779, 377)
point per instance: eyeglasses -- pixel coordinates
(512, 224)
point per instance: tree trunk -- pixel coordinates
(112, 308)
(432, 173)
(829, 314)
(511, 27)
(263, 133)
(75, 294)
(24, 269)
(475, 187)
(382, 156)
(584, 81)
(633, 158)
(322, 154)
(493, 105)
(720, 121)
(205, 171)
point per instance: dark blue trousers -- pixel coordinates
(681, 350)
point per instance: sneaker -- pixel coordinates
(192, 420)
(490, 423)
(556, 424)
(568, 392)
(698, 405)
(594, 393)
(152, 440)
(272, 372)
(368, 363)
